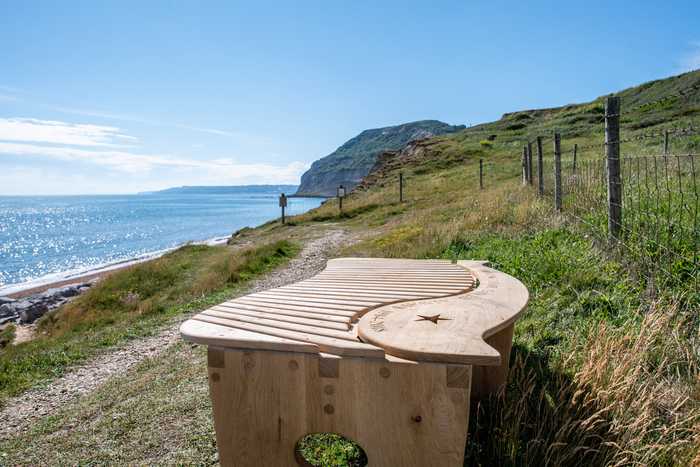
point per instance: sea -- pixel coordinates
(51, 238)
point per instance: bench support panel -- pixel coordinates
(490, 379)
(400, 413)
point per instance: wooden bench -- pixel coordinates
(386, 352)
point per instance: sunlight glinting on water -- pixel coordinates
(48, 235)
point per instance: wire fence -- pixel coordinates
(660, 234)
(657, 211)
(637, 194)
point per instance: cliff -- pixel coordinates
(348, 164)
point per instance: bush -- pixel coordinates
(7, 335)
(516, 126)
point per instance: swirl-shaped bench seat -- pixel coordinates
(367, 307)
(387, 352)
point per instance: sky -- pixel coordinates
(128, 96)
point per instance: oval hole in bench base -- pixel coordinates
(322, 449)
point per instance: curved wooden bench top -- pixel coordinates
(421, 310)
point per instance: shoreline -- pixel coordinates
(74, 276)
(64, 278)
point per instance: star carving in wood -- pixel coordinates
(432, 318)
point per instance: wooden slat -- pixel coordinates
(338, 310)
(405, 285)
(315, 301)
(283, 317)
(325, 344)
(322, 316)
(406, 267)
(370, 294)
(399, 284)
(406, 270)
(397, 275)
(207, 333)
(264, 322)
(374, 287)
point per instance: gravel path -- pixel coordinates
(20, 412)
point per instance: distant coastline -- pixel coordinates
(224, 189)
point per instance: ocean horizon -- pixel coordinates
(50, 238)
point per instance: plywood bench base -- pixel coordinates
(401, 413)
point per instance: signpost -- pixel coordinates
(283, 204)
(341, 195)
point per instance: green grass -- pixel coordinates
(157, 413)
(7, 335)
(331, 450)
(134, 303)
(571, 284)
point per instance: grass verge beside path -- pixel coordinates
(158, 413)
(134, 303)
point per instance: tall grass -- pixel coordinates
(632, 401)
(133, 303)
(150, 288)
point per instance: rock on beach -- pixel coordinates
(29, 309)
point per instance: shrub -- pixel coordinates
(516, 126)
(7, 335)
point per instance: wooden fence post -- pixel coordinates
(481, 174)
(612, 157)
(666, 143)
(575, 151)
(557, 171)
(524, 161)
(540, 168)
(400, 187)
(529, 163)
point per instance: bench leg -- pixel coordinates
(400, 413)
(489, 379)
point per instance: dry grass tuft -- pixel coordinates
(632, 402)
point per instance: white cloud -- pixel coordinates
(53, 132)
(130, 118)
(123, 161)
(101, 147)
(119, 160)
(691, 60)
(27, 180)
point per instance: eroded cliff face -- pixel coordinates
(351, 162)
(411, 154)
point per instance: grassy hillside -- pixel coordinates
(604, 371)
(672, 103)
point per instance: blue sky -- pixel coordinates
(119, 97)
